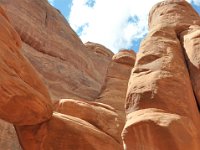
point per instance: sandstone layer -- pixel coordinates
(161, 107)
(65, 63)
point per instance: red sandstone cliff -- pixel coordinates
(54, 49)
(70, 70)
(89, 98)
(161, 106)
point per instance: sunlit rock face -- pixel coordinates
(24, 98)
(65, 63)
(161, 106)
(89, 85)
(25, 102)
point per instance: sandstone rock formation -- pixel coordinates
(103, 117)
(65, 132)
(24, 98)
(66, 65)
(190, 39)
(116, 82)
(8, 137)
(88, 83)
(125, 57)
(25, 102)
(161, 107)
(20, 85)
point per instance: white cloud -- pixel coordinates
(51, 2)
(196, 2)
(113, 23)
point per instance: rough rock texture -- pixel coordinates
(24, 98)
(25, 102)
(116, 82)
(8, 137)
(67, 66)
(115, 86)
(103, 117)
(191, 43)
(161, 107)
(21, 88)
(125, 57)
(65, 132)
(154, 129)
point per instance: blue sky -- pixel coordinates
(116, 24)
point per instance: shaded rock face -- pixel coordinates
(190, 39)
(66, 65)
(116, 82)
(8, 137)
(161, 107)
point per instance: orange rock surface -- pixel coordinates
(65, 132)
(125, 57)
(190, 39)
(161, 107)
(65, 63)
(24, 98)
(88, 83)
(104, 118)
(116, 82)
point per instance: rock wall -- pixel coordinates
(116, 82)
(66, 65)
(161, 106)
(24, 98)
(88, 83)
(25, 102)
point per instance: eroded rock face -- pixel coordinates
(8, 137)
(191, 43)
(103, 117)
(125, 57)
(66, 66)
(115, 86)
(65, 132)
(177, 14)
(154, 129)
(160, 102)
(55, 50)
(21, 87)
(24, 98)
